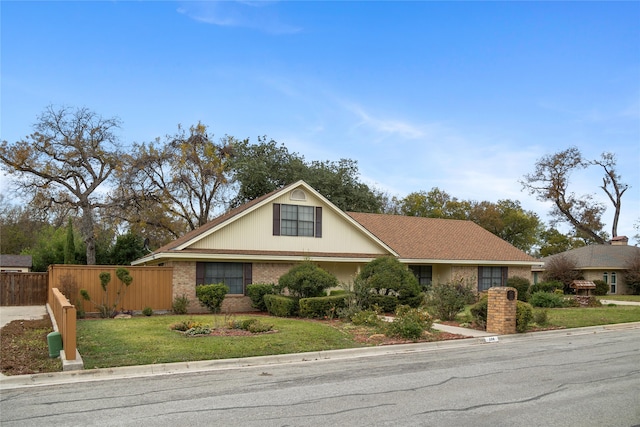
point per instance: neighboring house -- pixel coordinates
(263, 239)
(600, 262)
(16, 263)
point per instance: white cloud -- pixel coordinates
(243, 14)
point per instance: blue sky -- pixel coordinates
(463, 96)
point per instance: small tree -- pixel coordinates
(448, 299)
(632, 274)
(307, 280)
(106, 309)
(562, 269)
(211, 296)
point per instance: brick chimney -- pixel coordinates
(620, 241)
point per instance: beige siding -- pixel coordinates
(254, 232)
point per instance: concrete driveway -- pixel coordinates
(10, 313)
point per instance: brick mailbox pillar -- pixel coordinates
(501, 310)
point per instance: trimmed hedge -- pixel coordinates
(281, 305)
(387, 283)
(547, 300)
(257, 291)
(211, 296)
(522, 286)
(320, 307)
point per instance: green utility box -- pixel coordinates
(54, 340)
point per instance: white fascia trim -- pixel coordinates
(165, 257)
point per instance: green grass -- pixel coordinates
(146, 340)
(635, 298)
(581, 317)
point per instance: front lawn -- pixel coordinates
(594, 316)
(146, 340)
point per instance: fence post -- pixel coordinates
(69, 336)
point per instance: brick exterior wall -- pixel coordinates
(269, 272)
(501, 312)
(465, 273)
(184, 283)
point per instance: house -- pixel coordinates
(600, 262)
(263, 239)
(16, 263)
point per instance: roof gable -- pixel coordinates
(248, 229)
(440, 239)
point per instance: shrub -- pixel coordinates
(322, 306)
(602, 288)
(185, 325)
(256, 293)
(280, 305)
(409, 323)
(367, 318)
(211, 296)
(522, 286)
(252, 325)
(541, 316)
(524, 314)
(105, 309)
(147, 311)
(180, 304)
(448, 299)
(307, 280)
(198, 330)
(547, 300)
(550, 286)
(387, 282)
(479, 311)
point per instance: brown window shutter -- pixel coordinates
(505, 275)
(276, 219)
(247, 276)
(318, 221)
(200, 273)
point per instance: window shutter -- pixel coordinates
(505, 275)
(200, 273)
(318, 221)
(247, 276)
(276, 219)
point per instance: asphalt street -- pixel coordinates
(586, 377)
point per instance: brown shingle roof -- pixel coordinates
(600, 256)
(439, 239)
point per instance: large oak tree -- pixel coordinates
(67, 162)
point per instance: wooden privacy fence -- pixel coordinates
(23, 288)
(151, 286)
(65, 315)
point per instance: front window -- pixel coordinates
(229, 273)
(297, 220)
(614, 282)
(489, 277)
(424, 275)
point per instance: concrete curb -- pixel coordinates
(65, 377)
